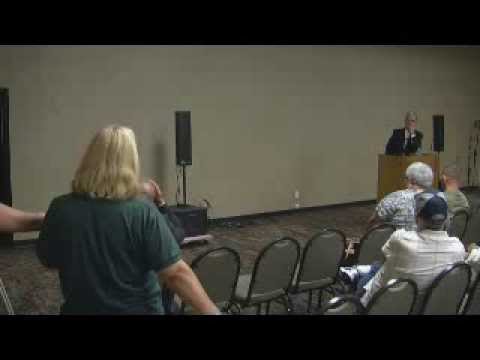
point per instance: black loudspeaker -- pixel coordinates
(194, 219)
(438, 133)
(183, 137)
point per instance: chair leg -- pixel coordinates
(232, 305)
(268, 308)
(259, 309)
(309, 305)
(320, 293)
(6, 300)
(288, 303)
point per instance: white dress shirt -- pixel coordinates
(407, 135)
(419, 256)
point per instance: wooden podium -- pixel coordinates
(391, 171)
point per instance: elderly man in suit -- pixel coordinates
(407, 140)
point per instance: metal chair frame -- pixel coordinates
(197, 261)
(367, 234)
(285, 298)
(295, 288)
(5, 299)
(340, 300)
(391, 284)
(440, 277)
(471, 292)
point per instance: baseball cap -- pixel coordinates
(431, 205)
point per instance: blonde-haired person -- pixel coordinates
(112, 247)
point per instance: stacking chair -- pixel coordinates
(343, 305)
(218, 272)
(370, 246)
(6, 301)
(397, 297)
(446, 294)
(458, 224)
(473, 227)
(472, 306)
(271, 277)
(319, 264)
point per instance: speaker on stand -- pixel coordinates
(183, 145)
(194, 219)
(438, 140)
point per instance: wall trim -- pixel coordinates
(288, 211)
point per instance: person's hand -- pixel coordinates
(152, 190)
(473, 257)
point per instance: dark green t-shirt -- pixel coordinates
(108, 253)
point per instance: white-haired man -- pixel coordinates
(398, 208)
(407, 140)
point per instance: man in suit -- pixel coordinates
(407, 140)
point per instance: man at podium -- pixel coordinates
(405, 141)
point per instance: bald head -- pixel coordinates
(450, 177)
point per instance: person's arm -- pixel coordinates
(373, 220)
(180, 278)
(383, 211)
(13, 220)
(392, 147)
(152, 190)
(415, 144)
(163, 255)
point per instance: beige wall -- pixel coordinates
(266, 119)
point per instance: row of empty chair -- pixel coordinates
(282, 269)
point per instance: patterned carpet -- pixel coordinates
(35, 290)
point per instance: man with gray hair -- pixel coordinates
(398, 208)
(422, 254)
(407, 140)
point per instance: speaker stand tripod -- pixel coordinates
(184, 184)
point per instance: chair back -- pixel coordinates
(473, 303)
(370, 247)
(275, 266)
(473, 226)
(343, 305)
(447, 291)
(218, 270)
(7, 305)
(458, 224)
(322, 256)
(397, 297)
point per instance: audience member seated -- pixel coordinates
(422, 254)
(456, 200)
(111, 247)
(398, 208)
(13, 220)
